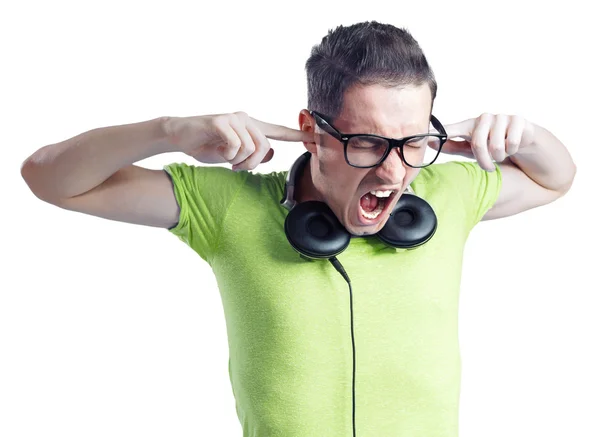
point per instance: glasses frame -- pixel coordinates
(391, 142)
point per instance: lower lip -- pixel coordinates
(383, 214)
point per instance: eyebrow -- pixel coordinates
(412, 127)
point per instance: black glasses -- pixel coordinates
(369, 150)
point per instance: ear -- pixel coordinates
(307, 124)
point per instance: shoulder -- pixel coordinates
(460, 184)
(223, 183)
(456, 175)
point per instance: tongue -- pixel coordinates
(368, 202)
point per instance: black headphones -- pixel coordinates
(314, 231)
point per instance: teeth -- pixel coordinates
(373, 214)
(381, 193)
(377, 211)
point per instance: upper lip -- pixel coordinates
(382, 189)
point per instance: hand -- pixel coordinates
(236, 138)
(489, 137)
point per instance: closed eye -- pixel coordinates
(416, 142)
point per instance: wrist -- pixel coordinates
(167, 140)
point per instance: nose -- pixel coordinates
(392, 170)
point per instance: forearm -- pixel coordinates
(79, 164)
(546, 161)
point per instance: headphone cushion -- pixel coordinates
(313, 230)
(412, 222)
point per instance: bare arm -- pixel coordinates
(93, 173)
(536, 167)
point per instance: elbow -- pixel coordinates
(564, 189)
(573, 174)
(27, 171)
(30, 172)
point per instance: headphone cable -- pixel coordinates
(338, 266)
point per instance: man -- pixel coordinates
(296, 367)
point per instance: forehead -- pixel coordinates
(387, 111)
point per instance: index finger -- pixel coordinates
(283, 133)
(463, 129)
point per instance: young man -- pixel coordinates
(306, 357)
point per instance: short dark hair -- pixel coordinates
(365, 53)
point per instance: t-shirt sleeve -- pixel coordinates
(477, 188)
(204, 195)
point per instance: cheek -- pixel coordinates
(411, 174)
(340, 177)
(330, 150)
(338, 183)
(333, 167)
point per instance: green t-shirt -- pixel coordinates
(288, 318)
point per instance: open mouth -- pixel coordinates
(373, 205)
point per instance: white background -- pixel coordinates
(112, 329)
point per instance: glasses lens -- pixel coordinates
(365, 151)
(421, 151)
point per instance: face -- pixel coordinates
(373, 109)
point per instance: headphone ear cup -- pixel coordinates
(314, 231)
(412, 222)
